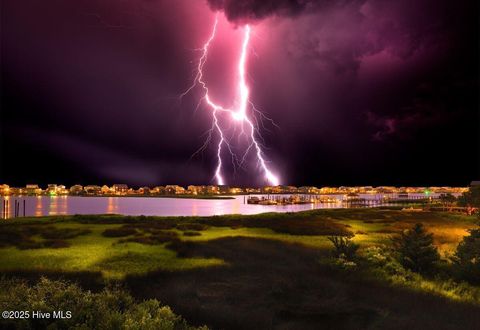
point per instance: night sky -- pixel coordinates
(372, 92)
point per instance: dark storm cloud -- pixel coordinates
(252, 10)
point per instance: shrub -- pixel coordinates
(471, 197)
(184, 249)
(191, 233)
(191, 226)
(64, 233)
(344, 246)
(415, 249)
(375, 255)
(151, 225)
(153, 239)
(112, 308)
(382, 260)
(56, 244)
(29, 245)
(467, 257)
(119, 232)
(344, 263)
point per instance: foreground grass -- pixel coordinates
(275, 268)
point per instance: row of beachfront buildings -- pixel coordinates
(124, 190)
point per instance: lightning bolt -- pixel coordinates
(239, 113)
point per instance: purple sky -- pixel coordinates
(364, 92)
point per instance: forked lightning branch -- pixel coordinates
(241, 114)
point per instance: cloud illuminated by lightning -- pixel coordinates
(238, 114)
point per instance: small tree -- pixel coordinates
(344, 245)
(415, 249)
(471, 198)
(447, 200)
(467, 257)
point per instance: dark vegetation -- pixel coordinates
(192, 226)
(153, 233)
(467, 257)
(119, 232)
(23, 237)
(111, 308)
(416, 250)
(306, 224)
(158, 237)
(63, 233)
(191, 233)
(471, 197)
(281, 285)
(309, 223)
(148, 231)
(343, 246)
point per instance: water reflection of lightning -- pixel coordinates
(238, 114)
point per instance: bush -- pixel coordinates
(157, 238)
(382, 259)
(376, 255)
(29, 245)
(56, 244)
(112, 308)
(385, 265)
(344, 263)
(344, 246)
(64, 233)
(467, 257)
(118, 232)
(22, 236)
(415, 249)
(191, 226)
(471, 197)
(191, 233)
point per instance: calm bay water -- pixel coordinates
(63, 205)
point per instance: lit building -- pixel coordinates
(174, 190)
(51, 189)
(289, 189)
(328, 190)
(15, 191)
(120, 189)
(308, 190)
(76, 190)
(32, 189)
(62, 190)
(235, 190)
(223, 189)
(92, 190)
(268, 190)
(159, 190)
(213, 190)
(197, 190)
(144, 191)
(106, 190)
(386, 190)
(4, 189)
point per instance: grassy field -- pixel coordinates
(115, 259)
(214, 270)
